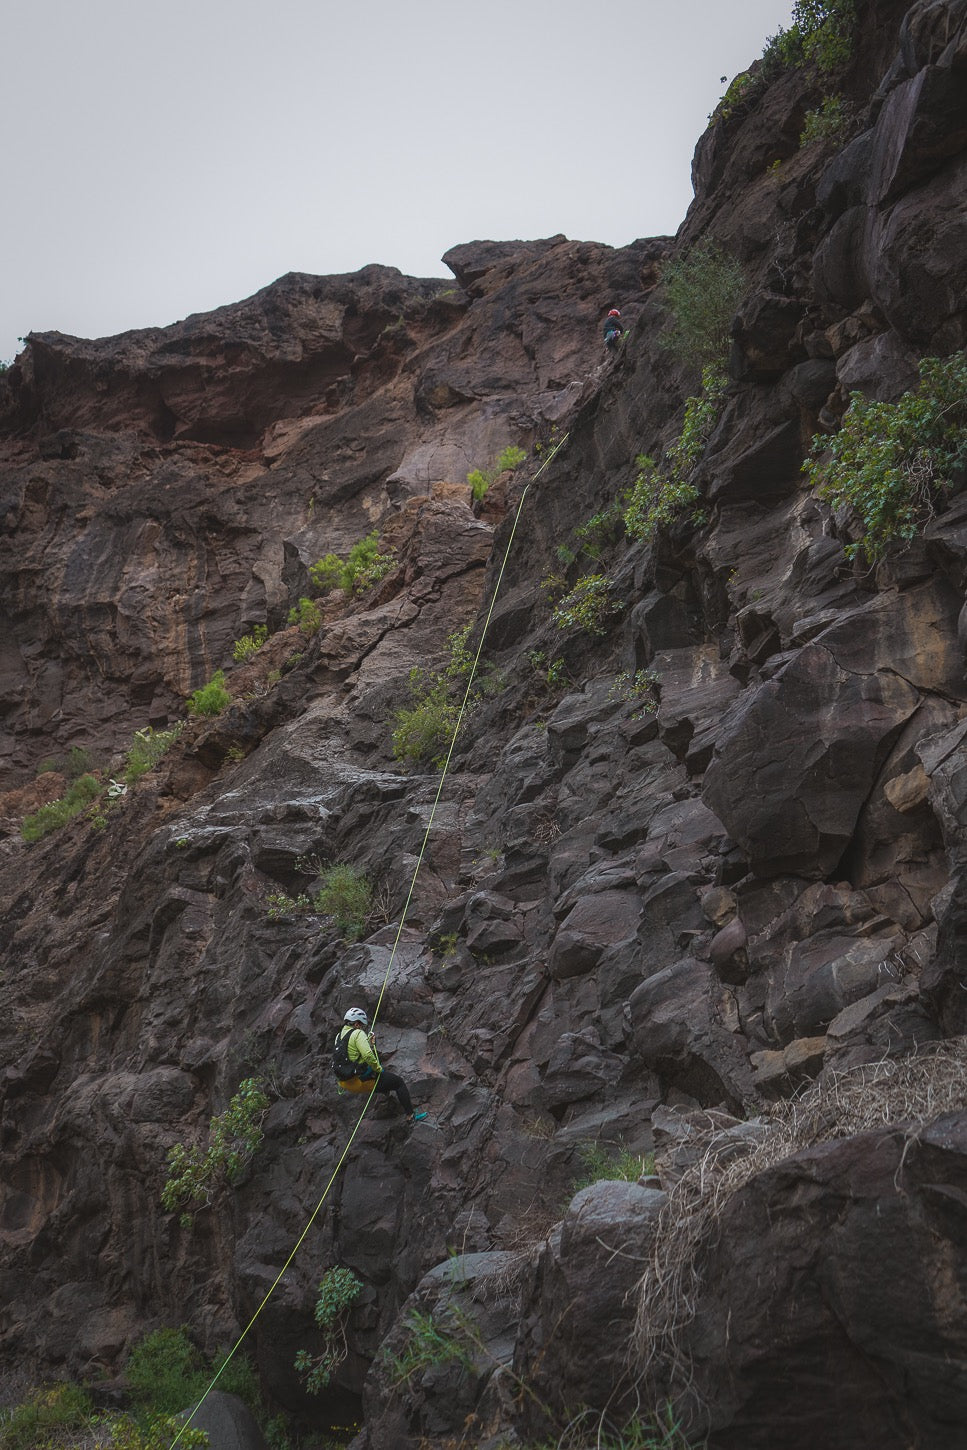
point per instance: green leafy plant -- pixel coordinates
(829, 122)
(57, 813)
(345, 894)
(601, 531)
(425, 729)
(702, 290)
(659, 496)
(243, 649)
(210, 699)
(480, 479)
(234, 1136)
(46, 1417)
(146, 749)
(339, 1289)
(363, 567)
(307, 615)
(824, 32)
(637, 688)
(890, 462)
(589, 605)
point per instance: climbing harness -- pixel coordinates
(365, 1087)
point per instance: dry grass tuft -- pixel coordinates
(913, 1090)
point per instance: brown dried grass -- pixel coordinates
(912, 1090)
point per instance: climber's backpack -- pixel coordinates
(342, 1065)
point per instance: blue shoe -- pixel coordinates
(417, 1117)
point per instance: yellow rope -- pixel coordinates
(395, 947)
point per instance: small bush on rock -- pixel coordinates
(829, 122)
(339, 1288)
(480, 479)
(146, 749)
(210, 699)
(234, 1136)
(890, 462)
(425, 729)
(243, 649)
(588, 606)
(346, 895)
(702, 291)
(363, 567)
(57, 813)
(307, 615)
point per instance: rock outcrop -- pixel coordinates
(686, 861)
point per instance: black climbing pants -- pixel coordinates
(391, 1082)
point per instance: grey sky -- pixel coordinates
(166, 159)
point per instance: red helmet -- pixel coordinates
(614, 312)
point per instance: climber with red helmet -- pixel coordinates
(612, 328)
(357, 1066)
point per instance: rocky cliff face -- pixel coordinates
(652, 908)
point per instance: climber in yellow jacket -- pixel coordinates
(357, 1066)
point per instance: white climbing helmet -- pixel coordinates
(357, 1015)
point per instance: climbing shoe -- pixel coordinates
(417, 1117)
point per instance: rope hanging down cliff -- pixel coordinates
(367, 1098)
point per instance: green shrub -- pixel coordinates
(828, 123)
(166, 1372)
(327, 573)
(307, 615)
(146, 749)
(46, 1417)
(243, 649)
(338, 1290)
(234, 1136)
(825, 31)
(346, 895)
(659, 496)
(57, 813)
(656, 499)
(210, 699)
(588, 606)
(480, 479)
(425, 729)
(511, 457)
(363, 567)
(702, 291)
(889, 462)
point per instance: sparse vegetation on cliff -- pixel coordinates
(243, 649)
(234, 1136)
(362, 567)
(702, 290)
(345, 894)
(339, 1288)
(57, 813)
(210, 699)
(589, 605)
(889, 462)
(480, 479)
(146, 749)
(424, 729)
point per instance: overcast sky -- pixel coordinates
(168, 158)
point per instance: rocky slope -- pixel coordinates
(648, 915)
